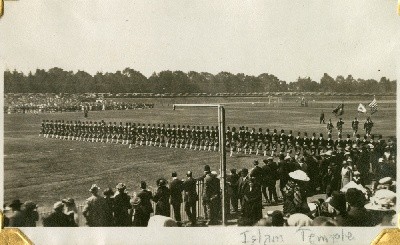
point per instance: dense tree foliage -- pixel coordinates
(56, 80)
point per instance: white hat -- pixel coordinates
(214, 173)
(328, 153)
(386, 180)
(371, 146)
(380, 159)
(288, 157)
(383, 200)
(299, 175)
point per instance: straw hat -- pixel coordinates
(58, 205)
(299, 175)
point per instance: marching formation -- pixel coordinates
(242, 140)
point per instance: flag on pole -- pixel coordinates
(373, 105)
(361, 108)
(339, 110)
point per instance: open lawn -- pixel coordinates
(46, 170)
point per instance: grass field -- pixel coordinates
(46, 170)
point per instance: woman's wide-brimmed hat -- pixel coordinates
(299, 175)
(383, 200)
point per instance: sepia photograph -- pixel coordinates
(271, 122)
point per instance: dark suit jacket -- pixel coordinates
(189, 188)
(146, 196)
(175, 188)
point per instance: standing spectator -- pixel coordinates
(122, 206)
(257, 173)
(212, 194)
(175, 188)
(252, 201)
(295, 193)
(190, 197)
(109, 215)
(243, 181)
(162, 198)
(346, 173)
(205, 202)
(71, 210)
(31, 214)
(58, 218)
(139, 213)
(95, 208)
(17, 218)
(232, 181)
(145, 203)
(270, 177)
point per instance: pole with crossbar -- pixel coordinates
(222, 150)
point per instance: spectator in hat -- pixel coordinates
(95, 208)
(256, 172)
(71, 210)
(122, 206)
(295, 193)
(242, 183)
(206, 170)
(58, 218)
(252, 201)
(109, 214)
(145, 203)
(139, 213)
(31, 214)
(190, 197)
(357, 214)
(270, 174)
(161, 198)
(382, 205)
(232, 181)
(212, 194)
(346, 173)
(176, 200)
(299, 220)
(17, 218)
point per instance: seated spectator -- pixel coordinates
(17, 218)
(382, 205)
(357, 214)
(58, 218)
(31, 214)
(277, 218)
(295, 193)
(337, 207)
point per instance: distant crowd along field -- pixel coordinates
(45, 103)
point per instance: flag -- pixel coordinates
(374, 106)
(361, 108)
(339, 110)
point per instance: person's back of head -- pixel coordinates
(143, 185)
(174, 174)
(277, 218)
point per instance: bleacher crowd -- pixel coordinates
(49, 103)
(354, 177)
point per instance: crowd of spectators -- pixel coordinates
(348, 199)
(48, 103)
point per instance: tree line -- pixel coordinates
(56, 80)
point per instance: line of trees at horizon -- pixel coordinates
(57, 80)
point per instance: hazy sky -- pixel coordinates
(285, 38)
